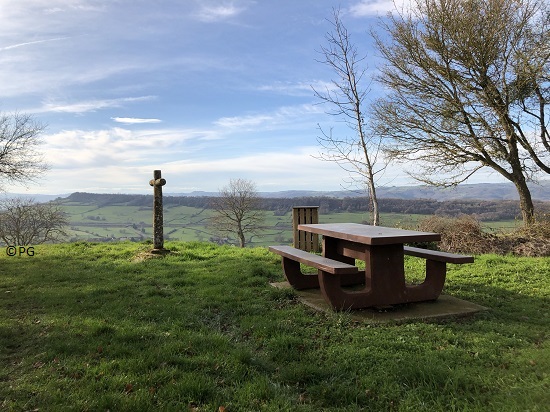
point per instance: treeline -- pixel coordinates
(486, 210)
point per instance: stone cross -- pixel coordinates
(158, 236)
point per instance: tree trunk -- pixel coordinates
(525, 201)
(518, 178)
(375, 213)
(242, 240)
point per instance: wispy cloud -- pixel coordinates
(19, 76)
(14, 46)
(287, 88)
(283, 115)
(375, 7)
(86, 7)
(268, 167)
(218, 13)
(134, 120)
(238, 122)
(298, 88)
(90, 105)
(30, 17)
(70, 149)
(262, 162)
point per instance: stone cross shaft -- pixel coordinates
(158, 236)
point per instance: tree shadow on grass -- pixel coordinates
(510, 312)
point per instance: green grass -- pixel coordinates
(85, 327)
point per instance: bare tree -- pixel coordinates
(358, 154)
(237, 210)
(20, 160)
(24, 222)
(469, 84)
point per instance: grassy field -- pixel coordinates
(88, 327)
(190, 224)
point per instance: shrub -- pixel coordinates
(534, 240)
(464, 234)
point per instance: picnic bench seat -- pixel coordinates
(292, 258)
(437, 255)
(322, 263)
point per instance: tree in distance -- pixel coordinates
(237, 210)
(358, 154)
(468, 88)
(20, 160)
(25, 222)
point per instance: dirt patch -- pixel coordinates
(152, 254)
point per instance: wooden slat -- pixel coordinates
(301, 239)
(328, 265)
(437, 255)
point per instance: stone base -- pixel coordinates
(443, 308)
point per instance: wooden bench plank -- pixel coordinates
(437, 255)
(327, 265)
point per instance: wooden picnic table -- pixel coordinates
(382, 250)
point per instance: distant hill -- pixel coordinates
(37, 197)
(480, 191)
(415, 203)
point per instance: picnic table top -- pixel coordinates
(369, 235)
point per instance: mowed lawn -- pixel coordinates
(88, 327)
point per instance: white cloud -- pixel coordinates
(297, 88)
(267, 162)
(73, 149)
(122, 160)
(376, 7)
(90, 105)
(27, 74)
(48, 46)
(239, 122)
(133, 120)
(281, 116)
(218, 13)
(270, 170)
(14, 46)
(53, 10)
(28, 17)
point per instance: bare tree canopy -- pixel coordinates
(347, 95)
(469, 88)
(237, 210)
(25, 222)
(20, 160)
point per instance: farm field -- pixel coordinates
(183, 223)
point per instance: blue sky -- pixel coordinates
(205, 90)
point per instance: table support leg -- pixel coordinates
(340, 299)
(384, 277)
(296, 278)
(432, 286)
